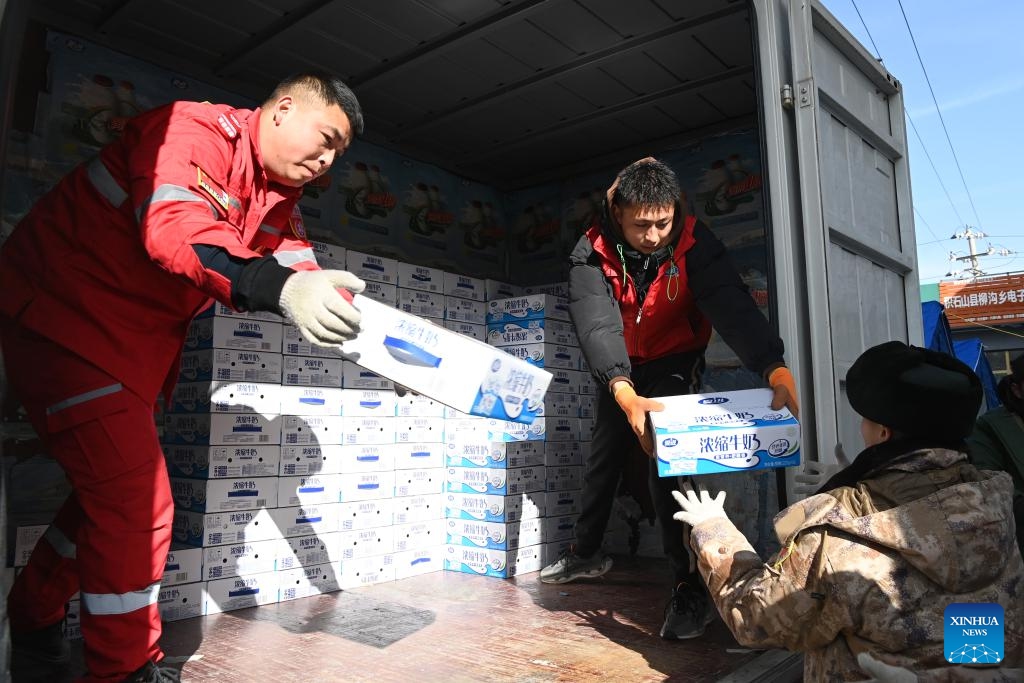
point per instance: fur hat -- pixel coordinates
(1017, 368)
(914, 391)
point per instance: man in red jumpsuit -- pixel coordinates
(101, 279)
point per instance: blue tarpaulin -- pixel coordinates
(972, 353)
(938, 337)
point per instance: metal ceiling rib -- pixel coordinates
(448, 41)
(610, 111)
(615, 52)
(499, 90)
(273, 32)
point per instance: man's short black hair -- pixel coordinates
(325, 88)
(648, 183)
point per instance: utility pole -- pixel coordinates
(974, 271)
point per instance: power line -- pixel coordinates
(929, 228)
(938, 110)
(938, 177)
(878, 53)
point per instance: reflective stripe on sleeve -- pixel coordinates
(101, 178)
(172, 193)
(120, 603)
(60, 543)
(264, 227)
(82, 398)
(290, 258)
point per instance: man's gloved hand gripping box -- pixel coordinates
(460, 372)
(725, 432)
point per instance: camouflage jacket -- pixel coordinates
(873, 567)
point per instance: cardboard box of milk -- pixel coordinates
(230, 365)
(527, 307)
(463, 286)
(724, 432)
(534, 331)
(470, 330)
(329, 256)
(234, 333)
(370, 267)
(460, 372)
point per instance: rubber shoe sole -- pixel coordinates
(671, 635)
(606, 564)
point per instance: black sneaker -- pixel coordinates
(46, 645)
(687, 614)
(151, 673)
(571, 566)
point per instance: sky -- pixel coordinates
(973, 53)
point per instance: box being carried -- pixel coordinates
(460, 372)
(724, 432)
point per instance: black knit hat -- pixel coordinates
(1017, 368)
(917, 392)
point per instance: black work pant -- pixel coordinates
(614, 441)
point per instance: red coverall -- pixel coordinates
(100, 282)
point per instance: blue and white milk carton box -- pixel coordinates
(464, 287)
(471, 330)
(230, 365)
(465, 310)
(293, 343)
(178, 601)
(370, 267)
(486, 508)
(418, 455)
(494, 535)
(500, 564)
(497, 289)
(303, 371)
(415, 562)
(224, 595)
(221, 428)
(411, 276)
(234, 333)
(329, 256)
(184, 565)
(222, 462)
(313, 458)
(310, 400)
(220, 528)
(532, 331)
(547, 356)
(527, 307)
(460, 372)
(386, 294)
(724, 432)
(309, 580)
(224, 495)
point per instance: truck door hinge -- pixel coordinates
(787, 96)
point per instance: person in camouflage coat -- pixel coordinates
(869, 564)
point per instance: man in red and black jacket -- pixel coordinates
(646, 285)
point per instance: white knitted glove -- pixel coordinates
(813, 474)
(311, 301)
(698, 506)
(881, 672)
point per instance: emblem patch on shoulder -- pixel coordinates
(207, 184)
(298, 229)
(227, 127)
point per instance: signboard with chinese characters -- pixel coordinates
(985, 301)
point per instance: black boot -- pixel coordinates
(688, 613)
(39, 655)
(151, 673)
